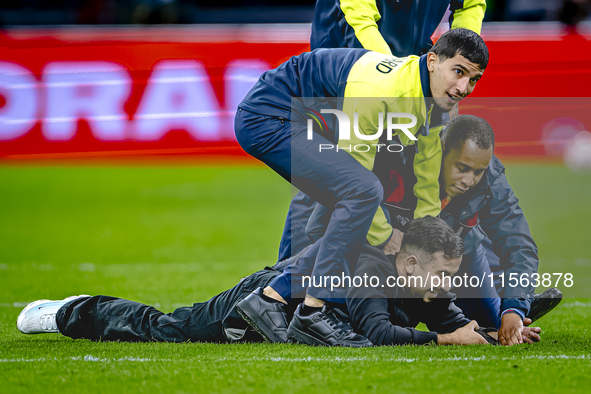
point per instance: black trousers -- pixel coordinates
(103, 318)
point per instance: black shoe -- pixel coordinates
(340, 315)
(544, 303)
(484, 333)
(266, 315)
(324, 328)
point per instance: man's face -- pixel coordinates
(438, 267)
(451, 79)
(462, 168)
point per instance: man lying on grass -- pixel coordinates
(430, 254)
(390, 321)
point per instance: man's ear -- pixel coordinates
(432, 61)
(410, 263)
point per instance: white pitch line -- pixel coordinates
(90, 358)
(577, 304)
(14, 304)
(410, 360)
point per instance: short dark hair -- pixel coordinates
(462, 42)
(468, 127)
(429, 235)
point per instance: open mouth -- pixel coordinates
(453, 98)
(461, 190)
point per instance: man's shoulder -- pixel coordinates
(394, 76)
(373, 261)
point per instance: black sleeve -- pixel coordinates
(371, 319)
(443, 316)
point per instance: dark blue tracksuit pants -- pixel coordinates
(294, 237)
(333, 178)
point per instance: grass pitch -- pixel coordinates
(171, 236)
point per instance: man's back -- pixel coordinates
(406, 26)
(320, 73)
(401, 27)
(331, 73)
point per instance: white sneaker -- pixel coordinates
(39, 316)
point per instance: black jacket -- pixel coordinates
(386, 315)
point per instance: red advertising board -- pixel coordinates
(75, 92)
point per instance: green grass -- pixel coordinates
(172, 236)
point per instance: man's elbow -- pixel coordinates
(377, 334)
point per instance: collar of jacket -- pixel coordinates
(493, 171)
(424, 73)
(438, 116)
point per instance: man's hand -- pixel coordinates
(511, 330)
(530, 334)
(462, 336)
(393, 245)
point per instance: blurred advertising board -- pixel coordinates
(87, 91)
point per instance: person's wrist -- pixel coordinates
(513, 311)
(445, 339)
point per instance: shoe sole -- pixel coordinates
(253, 320)
(301, 337)
(553, 304)
(298, 336)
